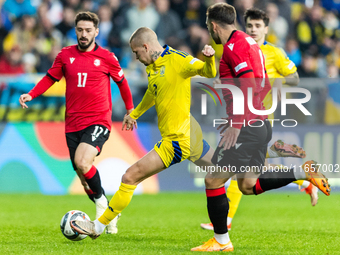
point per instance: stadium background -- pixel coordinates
(34, 156)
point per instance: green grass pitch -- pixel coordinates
(168, 223)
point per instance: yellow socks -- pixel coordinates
(119, 201)
(234, 195)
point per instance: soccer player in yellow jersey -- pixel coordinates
(169, 73)
(280, 71)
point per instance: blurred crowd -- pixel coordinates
(32, 32)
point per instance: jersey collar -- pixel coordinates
(265, 42)
(166, 48)
(231, 35)
(95, 47)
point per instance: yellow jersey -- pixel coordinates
(277, 65)
(169, 90)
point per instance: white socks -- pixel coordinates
(271, 153)
(222, 238)
(305, 184)
(99, 227)
(102, 201)
(229, 220)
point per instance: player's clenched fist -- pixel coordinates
(23, 99)
(208, 51)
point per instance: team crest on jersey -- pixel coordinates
(97, 62)
(162, 71)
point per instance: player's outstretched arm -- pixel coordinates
(147, 102)
(193, 66)
(23, 99)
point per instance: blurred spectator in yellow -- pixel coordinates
(10, 62)
(23, 34)
(310, 30)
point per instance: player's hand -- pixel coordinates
(216, 81)
(229, 138)
(223, 127)
(23, 99)
(208, 51)
(129, 123)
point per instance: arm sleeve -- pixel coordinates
(147, 102)
(54, 74)
(115, 71)
(192, 66)
(44, 84)
(126, 94)
(283, 64)
(247, 80)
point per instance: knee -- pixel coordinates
(246, 189)
(131, 175)
(82, 165)
(213, 183)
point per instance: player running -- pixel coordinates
(169, 73)
(280, 70)
(87, 69)
(243, 59)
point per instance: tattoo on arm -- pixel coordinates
(155, 54)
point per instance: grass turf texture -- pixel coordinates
(168, 223)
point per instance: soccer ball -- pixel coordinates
(65, 225)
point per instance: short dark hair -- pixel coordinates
(222, 13)
(88, 16)
(256, 14)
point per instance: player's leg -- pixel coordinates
(304, 186)
(234, 196)
(217, 205)
(91, 143)
(274, 180)
(149, 165)
(164, 154)
(73, 140)
(233, 193)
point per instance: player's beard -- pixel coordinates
(215, 37)
(84, 46)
